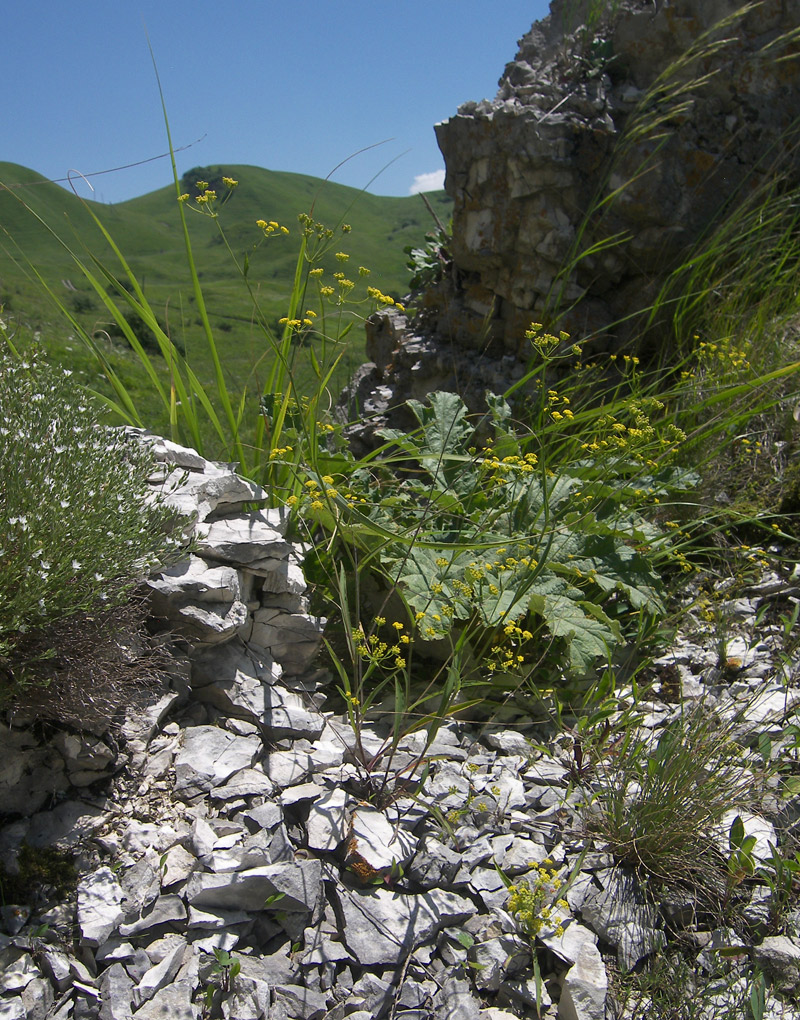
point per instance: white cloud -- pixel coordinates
(427, 182)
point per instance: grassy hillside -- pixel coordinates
(147, 231)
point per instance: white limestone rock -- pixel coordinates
(569, 946)
(173, 1001)
(327, 824)
(99, 910)
(292, 639)
(116, 993)
(583, 995)
(621, 915)
(287, 768)
(297, 884)
(195, 579)
(779, 957)
(177, 865)
(161, 974)
(245, 783)
(754, 825)
(29, 774)
(163, 910)
(381, 927)
(213, 488)
(209, 756)
(373, 841)
(246, 540)
(17, 970)
(212, 622)
(249, 999)
(244, 684)
(497, 959)
(13, 1009)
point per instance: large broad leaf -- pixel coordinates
(444, 437)
(615, 566)
(588, 631)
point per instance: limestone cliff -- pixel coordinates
(623, 133)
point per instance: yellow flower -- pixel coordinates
(342, 256)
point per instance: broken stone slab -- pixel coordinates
(208, 757)
(143, 722)
(29, 774)
(434, 865)
(215, 920)
(292, 887)
(99, 910)
(17, 970)
(13, 1009)
(327, 824)
(245, 783)
(509, 742)
(585, 987)
(66, 826)
(166, 452)
(248, 999)
(252, 852)
(375, 844)
(268, 815)
(84, 754)
(497, 959)
(293, 639)
(211, 623)
(173, 1001)
(161, 974)
(381, 927)
(116, 993)
(287, 768)
(194, 579)
(754, 825)
(569, 946)
(214, 488)
(298, 1002)
(247, 540)
(779, 957)
(621, 914)
(245, 684)
(164, 910)
(454, 1000)
(38, 998)
(177, 865)
(515, 855)
(141, 884)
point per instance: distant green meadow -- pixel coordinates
(147, 232)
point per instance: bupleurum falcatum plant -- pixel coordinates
(78, 530)
(513, 554)
(536, 901)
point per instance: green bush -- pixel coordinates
(78, 529)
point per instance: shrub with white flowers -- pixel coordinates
(78, 529)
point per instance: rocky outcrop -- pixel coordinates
(621, 136)
(214, 856)
(652, 101)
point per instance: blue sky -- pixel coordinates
(294, 86)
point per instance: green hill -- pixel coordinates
(147, 231)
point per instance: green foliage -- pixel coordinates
(77, 527)
(659, 801)
(428, 264)
(536, 902)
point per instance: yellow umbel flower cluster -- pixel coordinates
(533, 902)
